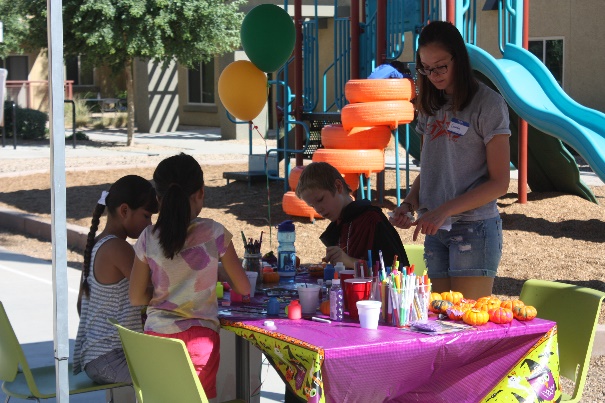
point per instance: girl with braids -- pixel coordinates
(179, 256)
(108, 258)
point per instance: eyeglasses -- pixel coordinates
(439, 70)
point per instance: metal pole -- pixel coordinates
(54, 24)
(14, 110)
(73, 120)
(523, 134)
(354, 39)
(298, 81)
(242, 374)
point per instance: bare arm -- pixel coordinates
(409, 205)
(233, 267)
(498, 166)
(140, 278)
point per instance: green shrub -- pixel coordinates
(31, 123)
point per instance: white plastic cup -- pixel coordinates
(369, 313)
(252, 276)
(309, 298)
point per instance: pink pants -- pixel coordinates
(204, 346)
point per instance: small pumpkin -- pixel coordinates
(500, 315)
(524, 313)
(452, 296)
(271, 277)
(440, 306)
(456, 312)
(511, 303)
(434, 296)
(487, 303)
(475, 317)
(467, 303)
(324, 307)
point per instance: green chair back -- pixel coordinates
(21, 381)
(576, 310)
(160, 368)
(416, 257)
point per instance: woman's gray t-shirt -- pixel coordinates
(453, 155)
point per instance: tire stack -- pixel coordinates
(376, 107)
(356, 147)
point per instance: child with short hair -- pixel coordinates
(179, 257)
(103, 294)
(356, 225)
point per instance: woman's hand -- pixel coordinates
(402, 216)
(429, 223)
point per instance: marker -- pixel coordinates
(316, 319)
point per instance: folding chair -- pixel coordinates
(415, 255)
(161, 368)
(576, 310)
(21, 381)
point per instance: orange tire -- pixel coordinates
(384, 89)
(378, 113)
(360, 138)
(292, 205)
(352, 161)
(294, 176)
(352, 180)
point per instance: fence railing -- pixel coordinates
(33, 94)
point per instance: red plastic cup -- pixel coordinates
(356, 289)
(344, 275)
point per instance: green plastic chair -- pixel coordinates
(576, 310)
(416, 257)
(161, 368)
(22, 382)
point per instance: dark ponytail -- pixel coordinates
(175, 179)
(133, 190)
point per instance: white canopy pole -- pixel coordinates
(58, 198)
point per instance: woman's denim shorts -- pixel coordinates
(469, 249)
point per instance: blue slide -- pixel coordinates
(532, 92)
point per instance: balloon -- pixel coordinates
(268, 36)
(243, 89)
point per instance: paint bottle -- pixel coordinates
(336, 301)
(294, 310)
(286, 252)
(219, 290)
(273, 306)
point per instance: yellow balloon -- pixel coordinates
(243, 89)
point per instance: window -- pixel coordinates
(17, 67)
(200, 84)
(78, 70)
(550, 51)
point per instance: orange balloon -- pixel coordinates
(243, 89)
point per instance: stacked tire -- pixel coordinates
(356, 147)
(376, 107)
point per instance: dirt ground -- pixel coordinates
(552, 236)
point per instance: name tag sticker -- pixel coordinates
(457, 127)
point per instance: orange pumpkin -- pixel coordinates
(511, 303)
(324, 307)
(475, 317)
(452, 296)
(440, 306)
(500, 315)
(524, 313)
(456, 312)
(487, 303)
(434, 296)
(467, 303)
(271, 277)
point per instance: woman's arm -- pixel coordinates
(498, 167)
(408, 205)
(140, 292)
(235, 271)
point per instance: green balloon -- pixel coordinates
(268, 36)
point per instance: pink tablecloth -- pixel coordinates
(395, 365)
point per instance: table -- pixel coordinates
(340, 362)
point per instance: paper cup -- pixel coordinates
(369, 312)
(309, 298)
(252, 277)
(356, 289)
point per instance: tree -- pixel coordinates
(115, 32)
(14, 28)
